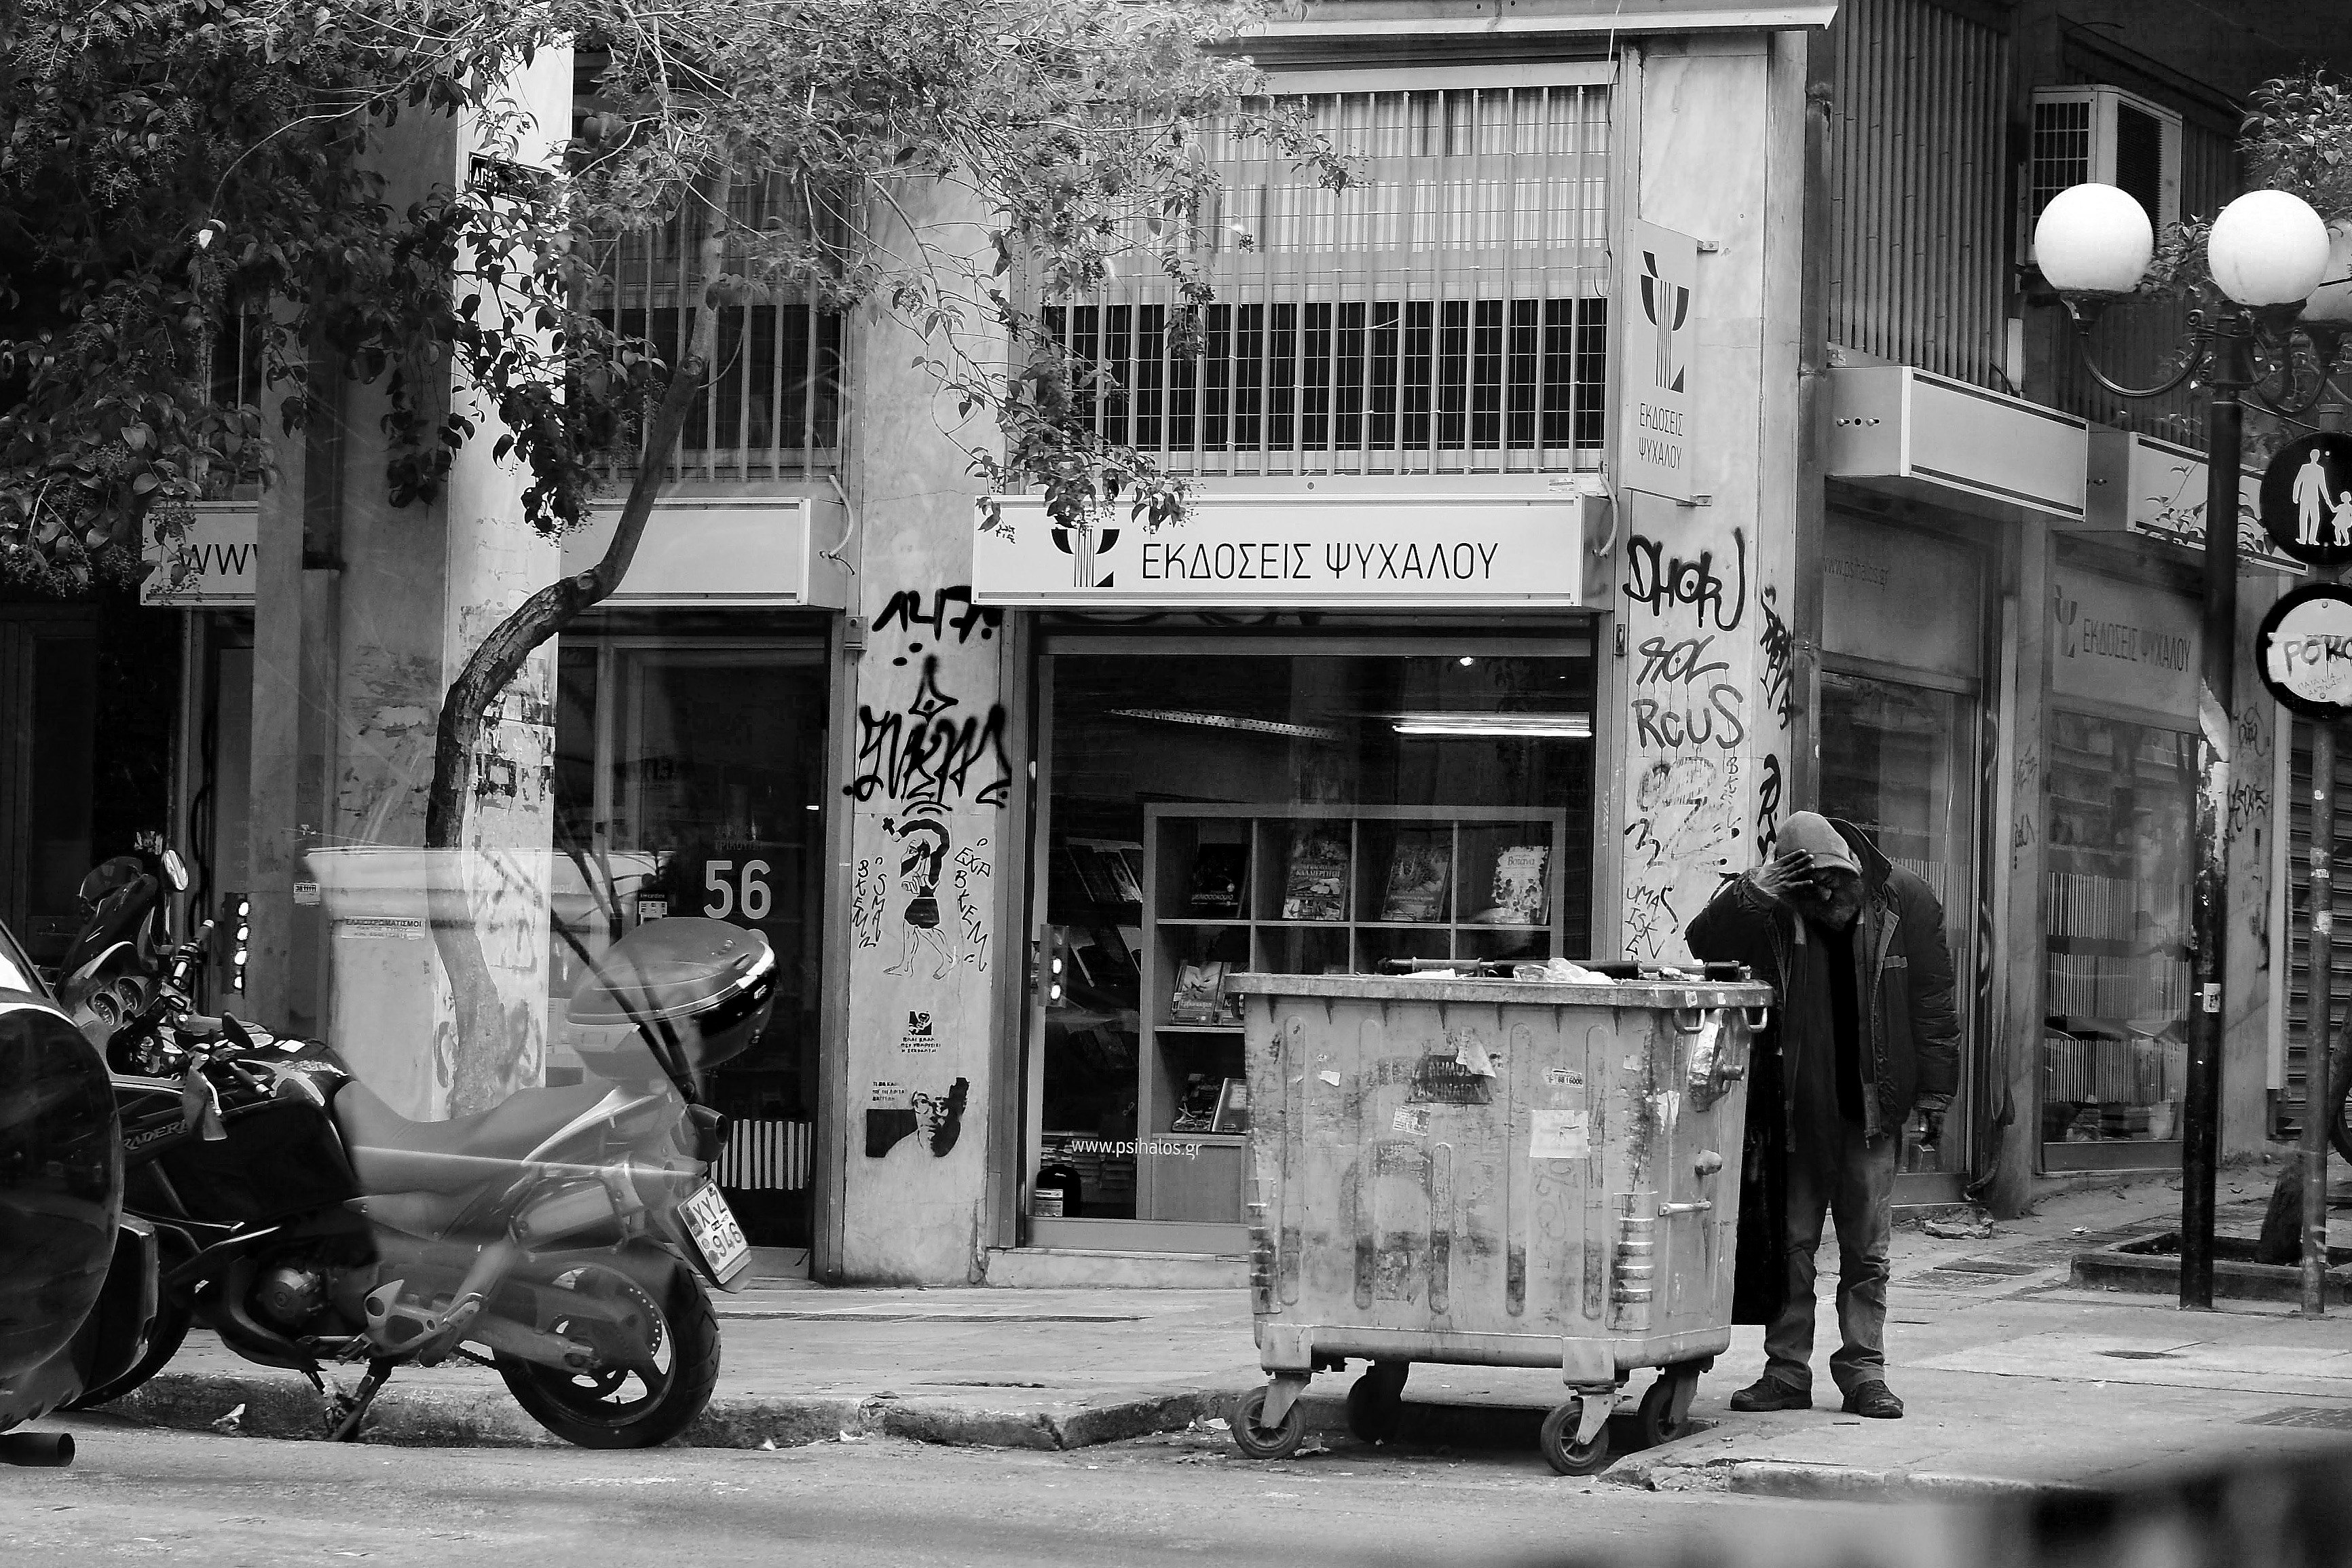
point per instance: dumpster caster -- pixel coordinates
(1665, 1413)
(1258, 1442)
(1376, 1401)
(1565, 1446)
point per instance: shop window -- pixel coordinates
(1896, 761)
(2116, 905)
(1211, 812)
(688, 781)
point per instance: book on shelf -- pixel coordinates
(1420, 870)
(1197, 1110)
(1232, 1107)
(1131, 939)
(1220, 873)
(1104, 871)
(1129, 854)
(1315, 883)
(1199, 997)
(1521, 894)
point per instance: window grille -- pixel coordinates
(772, 407)
(1446, 315)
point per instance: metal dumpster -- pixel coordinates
(1496, 1172)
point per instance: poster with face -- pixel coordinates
(895, 1111)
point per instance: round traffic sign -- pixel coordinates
(2304, 650)
(2306, 499)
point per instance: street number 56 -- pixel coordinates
(720, 881)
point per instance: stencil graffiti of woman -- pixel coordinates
(925, 846)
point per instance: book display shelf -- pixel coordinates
(2115, 901)
(1309, 889)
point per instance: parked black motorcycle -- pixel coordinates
(309, 1224)
(78, 1280)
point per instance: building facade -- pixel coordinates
(1665, 436)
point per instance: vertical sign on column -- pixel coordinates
(1656, 281)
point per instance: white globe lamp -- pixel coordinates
(2093, 239)
(2268, 248)
(2331, 302)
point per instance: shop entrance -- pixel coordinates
(689, 780)
(1223, 803)
(1902, 758)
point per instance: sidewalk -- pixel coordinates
(2015, 1380)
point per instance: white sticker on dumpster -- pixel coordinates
(1327, 1076)
(1563, 1077)
(1473, 1055)
(1413, 1119)
(1558, 1135)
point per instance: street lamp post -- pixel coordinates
(2266, 252)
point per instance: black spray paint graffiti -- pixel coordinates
(872, 896)
(1677, 712)
(972, 870)
(1780, 659)
(1767, 805)
(937, 1119)
(906, 609)
(1658, 581)
(922, 757)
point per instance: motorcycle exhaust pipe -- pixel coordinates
(36, 1451)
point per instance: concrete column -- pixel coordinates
(2256, 818)
(1706, 674)
(929, 780)
(364, 614)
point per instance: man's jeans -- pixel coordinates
(1856, 1184)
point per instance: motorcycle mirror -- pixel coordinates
(175, 871)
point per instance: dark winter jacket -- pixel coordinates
(1911, 1034)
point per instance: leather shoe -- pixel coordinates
(1768, 1393)
(1875, 1400)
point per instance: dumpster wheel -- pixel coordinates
(1258, 1442)
(1664, 1411)
(1557, 1440)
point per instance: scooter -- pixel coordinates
(562, 1237)
(77, 1279)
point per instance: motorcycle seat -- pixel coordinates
(389, 1154)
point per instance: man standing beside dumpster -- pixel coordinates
(1865, 1033)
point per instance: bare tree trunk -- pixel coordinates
(487, 670)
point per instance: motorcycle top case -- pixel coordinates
(704, 983)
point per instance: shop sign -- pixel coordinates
(1657, 442)
(2307, 499)
(2127, 643)
(2156, 490)
(1386, 552)
(1899, 597)
(745, 552)
(217, 552)
(2304, 651)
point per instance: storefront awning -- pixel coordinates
(2139, 484)
(1911, 432)
(1310, 550)
(719, 551)
(744, 552)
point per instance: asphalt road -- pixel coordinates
(141, 1495)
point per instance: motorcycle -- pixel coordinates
(562, 1237)
(78, 1278)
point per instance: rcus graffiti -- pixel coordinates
(1780, 658)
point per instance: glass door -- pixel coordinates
(689, 781)
(1898, 762)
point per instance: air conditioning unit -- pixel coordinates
(2106, 136)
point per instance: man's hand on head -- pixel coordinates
(1778, 878)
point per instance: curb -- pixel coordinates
(1791, 1478)
(285, 1407)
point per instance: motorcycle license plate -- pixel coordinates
(716, 1235)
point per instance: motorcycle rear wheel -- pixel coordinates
(599, 1409)
(171, 1327)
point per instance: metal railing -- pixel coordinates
(1446, 314)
